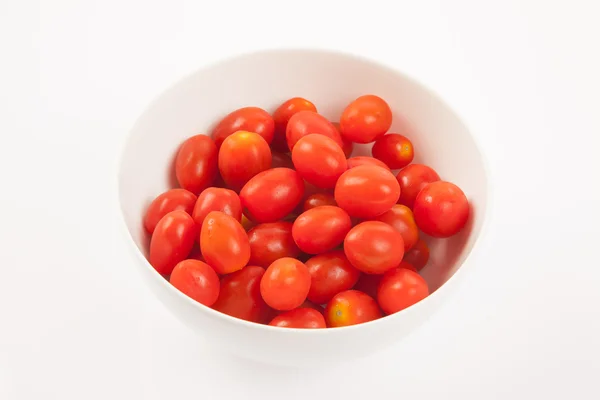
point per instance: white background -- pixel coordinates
(76, 322)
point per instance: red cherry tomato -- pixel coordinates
(272, 194)
(317, 200)
(240, 296)
(418, 255)
(363, 160)
(304, 318)
(395, 150)
(406, 265)
(224, 243)
(374, 247)
(330, 273)
(441, 209)
(367, 191)
(281, 160)
(319, 160)
(172, 241)
(306, 122)
(251, 119)
(348, 146)
(321, 229)
(197, 280)
(366, 119)
(400, 288)
(270, 242)
(285, 284)
(171, 200)
(401, 219)
(217, 199)
(368, 283)
(351, 307)
(412, 179)
(241, 156)
(282, 115)
(196, 163)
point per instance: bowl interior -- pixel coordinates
(330, 80)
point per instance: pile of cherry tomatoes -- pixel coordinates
(275, 223)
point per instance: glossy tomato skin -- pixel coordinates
(400, 288)
(197, 280)
(395, 150)
(282, 115)
(285, 284)
(172, 241)
(317, 200)
(374, 247)
(330, 274)
(412, 179)
(281, 160)
(171, 200)
(306, 122)
(418, 255)
(272, 194)
(319, 160)
(240, 296)
(364, 160)
(217, 199)
(351, 307)
(441, 209)
(224, 243)
(241, 156)
(270, 242)
(366, 191)
(196, 163)
(402, 219)
(303, 318)
(251, 119)
(366, 119)
(321, 229)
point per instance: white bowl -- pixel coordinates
(330, 80)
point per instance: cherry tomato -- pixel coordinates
(285, 284)
(330, 274)
(400, 288)
(317, 200)
(368, 283)
(401, 219)
(240, 296)
(395, 150)
(366, 119)
(196, 163)
(374, 247)
(241, 156)
(217, 199)
(224, 243)
(348, 146)
(321, 229)
(172, 241)
(363, 160)
(251, 119)
(197, 280)
(367, 191)
(418, 255)
(304, 318)
(281, 160)
(412, 179)
(272, 194)
(171, 200)
(270, 242)
(351, 307)
(282, 115)
(306, 122)
(406, 265)
(319, 160)
(441, 209)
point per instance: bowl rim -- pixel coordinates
(444, 290)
